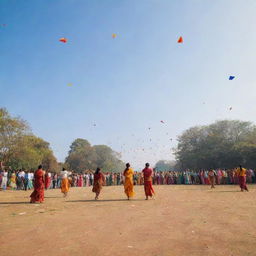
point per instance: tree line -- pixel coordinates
(21, 149)
(223, 144)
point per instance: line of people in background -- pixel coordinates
(23, 180)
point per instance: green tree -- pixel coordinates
(83, 156)
(31, 151)
(223, 144)
(12, 129)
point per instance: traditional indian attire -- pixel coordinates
(64, 182)
(38, 193)
(242, 178)
(128, 182)
(147, 173)
(98, 183)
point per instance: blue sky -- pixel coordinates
(127, 84)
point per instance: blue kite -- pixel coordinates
(231, 77)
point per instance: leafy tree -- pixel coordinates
(83, 156)
(11, 131)
(31, 151)
(222, 144)
(19, 148)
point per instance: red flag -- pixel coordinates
(180, 40)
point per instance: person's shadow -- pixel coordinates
(103, 200)
(27, 202)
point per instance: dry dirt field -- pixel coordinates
(181, 221)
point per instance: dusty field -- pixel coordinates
(181, 221)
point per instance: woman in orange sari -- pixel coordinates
(147, 174)
(38, 193)
(128, 182)
(241, 173)
(98, 181)
(64, 182)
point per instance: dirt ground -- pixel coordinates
(181, 221)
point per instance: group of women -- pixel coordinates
(37, 195)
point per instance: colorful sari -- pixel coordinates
(38, 193)
(97, 183)
(148, 188)
(128, 182)
(65, 185)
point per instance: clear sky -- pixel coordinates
(128, 84)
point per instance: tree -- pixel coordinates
(31, 151)
(12, 129)
(83, 156)
(223, 144)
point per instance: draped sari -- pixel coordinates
(38, 193)
(128, 182)
(148, 188)
(97, 182)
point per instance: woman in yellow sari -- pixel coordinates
(128, 182)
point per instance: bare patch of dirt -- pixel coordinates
(181, 221)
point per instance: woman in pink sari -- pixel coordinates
(80, 180)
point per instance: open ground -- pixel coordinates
(180, 221)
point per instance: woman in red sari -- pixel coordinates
(38, 193)
(47, 180)
(98, 181)
(147, 174)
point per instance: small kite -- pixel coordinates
(170, 139)
(230, 108)
(63, 40)
(231, 77)
(114, 36)
(94, 125)
(69, 84)
(149, 128)
(162, 121)
(180, 40)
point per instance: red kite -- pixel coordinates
(180, 40)
(63, 40)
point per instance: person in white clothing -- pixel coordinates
(4, 180)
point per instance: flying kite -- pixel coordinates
(114, 36)
(162, 121)
(63, 40)
(69, 84)
(231, 77)
(230, 108)
(180, 40)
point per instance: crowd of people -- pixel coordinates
(41, 180)
(23, 180)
